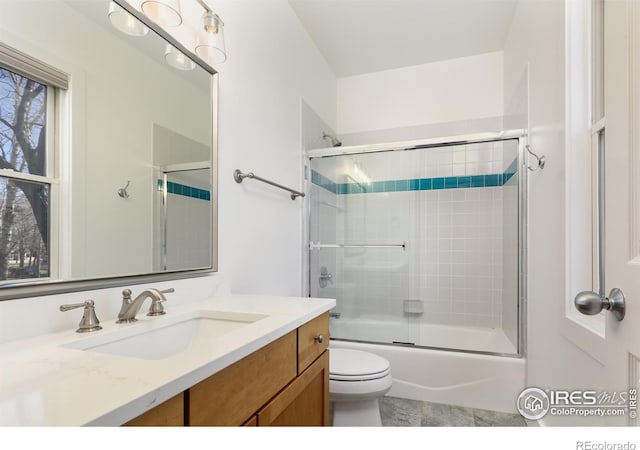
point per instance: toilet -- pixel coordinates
(357, 380)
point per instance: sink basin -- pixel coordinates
(167, 336)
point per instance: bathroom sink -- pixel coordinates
(167, 336)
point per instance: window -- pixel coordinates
(28, 183)
(585, 141)
(597, 131)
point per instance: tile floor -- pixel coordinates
(400, 412)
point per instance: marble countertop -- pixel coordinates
(44, 383)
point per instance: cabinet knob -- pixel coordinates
(319, 339)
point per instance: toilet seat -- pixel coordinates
(356, 365)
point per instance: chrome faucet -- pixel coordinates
(130, 308)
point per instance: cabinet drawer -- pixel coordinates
(232, 395)
(167, 414)
(308, 346)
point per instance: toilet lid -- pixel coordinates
(354, 365)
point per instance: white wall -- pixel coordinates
(462, 91)
(272, 65)
(552, 361)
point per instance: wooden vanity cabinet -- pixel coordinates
(284, 383)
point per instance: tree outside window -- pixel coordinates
(24, 202)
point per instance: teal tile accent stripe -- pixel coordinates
(324, 182)
(186, 191)
(416, 184)
(511, 171)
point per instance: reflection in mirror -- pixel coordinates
(182, 212)
(127, 119)
(24, 204)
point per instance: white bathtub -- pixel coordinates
(450, 377)
(411, 330)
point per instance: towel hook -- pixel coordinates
(541, 159)
(122, 192)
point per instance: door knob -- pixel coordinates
(590, 303)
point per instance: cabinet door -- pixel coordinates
(305, 402)
(167, 414)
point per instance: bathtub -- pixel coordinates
(451, 377)
(380, 329)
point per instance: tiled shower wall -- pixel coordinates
(187, 221)
(447, 206)
(452, 260)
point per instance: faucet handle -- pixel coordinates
(156, 308)
(89, 321)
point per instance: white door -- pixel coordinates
(622, 186)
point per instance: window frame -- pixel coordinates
(55, 81)
(582, 131)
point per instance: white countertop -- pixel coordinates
(43, 383)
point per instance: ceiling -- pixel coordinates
(363, 36)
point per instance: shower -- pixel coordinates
(423, 246)
(334, 140)
(183, 209)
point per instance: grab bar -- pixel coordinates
(313, 246)
(239, 176)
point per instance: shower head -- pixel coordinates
(334, 141)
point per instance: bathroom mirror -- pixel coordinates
(127, 188)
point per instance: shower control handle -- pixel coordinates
(319, 339)
(591, 303)
(325, 277)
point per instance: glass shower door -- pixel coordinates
(358, 253)
(186, 219)
(420, 246)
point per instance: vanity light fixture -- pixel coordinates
(125, 22)
(203, 36)
(165, 13)
(175, 58)
(210, 39)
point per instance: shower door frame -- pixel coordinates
(165, 171)
(448, 141)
